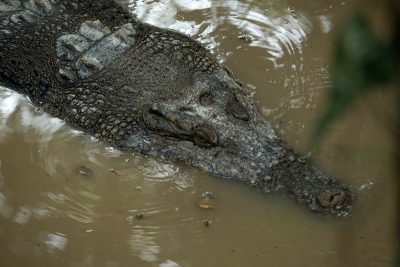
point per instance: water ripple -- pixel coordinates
(54, 241)
(281, 31)
(162, 221)
(74, 209)
(159, 171)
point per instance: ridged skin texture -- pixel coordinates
(152, 91)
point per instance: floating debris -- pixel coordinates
(246, 38)
(207, 194)
(85, 171)
(138, 188)
(206, 222)
(89, 231)
(207, 202)
(139, 216)
(114, 171)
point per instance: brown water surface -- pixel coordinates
(52, 215)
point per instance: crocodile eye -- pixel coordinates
(205, 136)
(206, 98)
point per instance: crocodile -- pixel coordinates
(151, 91)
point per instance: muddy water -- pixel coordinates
(54, 213)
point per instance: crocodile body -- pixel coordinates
(152, 91)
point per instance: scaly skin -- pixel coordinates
(151, 91)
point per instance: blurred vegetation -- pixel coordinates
(363, 63)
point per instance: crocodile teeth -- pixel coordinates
(70, 45)
(93, 30)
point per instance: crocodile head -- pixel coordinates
(214, 125)
(210, 124)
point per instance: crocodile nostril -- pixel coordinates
(333, 198)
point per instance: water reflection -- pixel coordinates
(13, 103)
(8, 104)
(5, 209)
(160, 171)
(54, 241)
(143, 242)
(163, 223)
(74, 209)
(281, 31)
(163, 13)
(23, 215)
(169, 263)
(326, 23)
